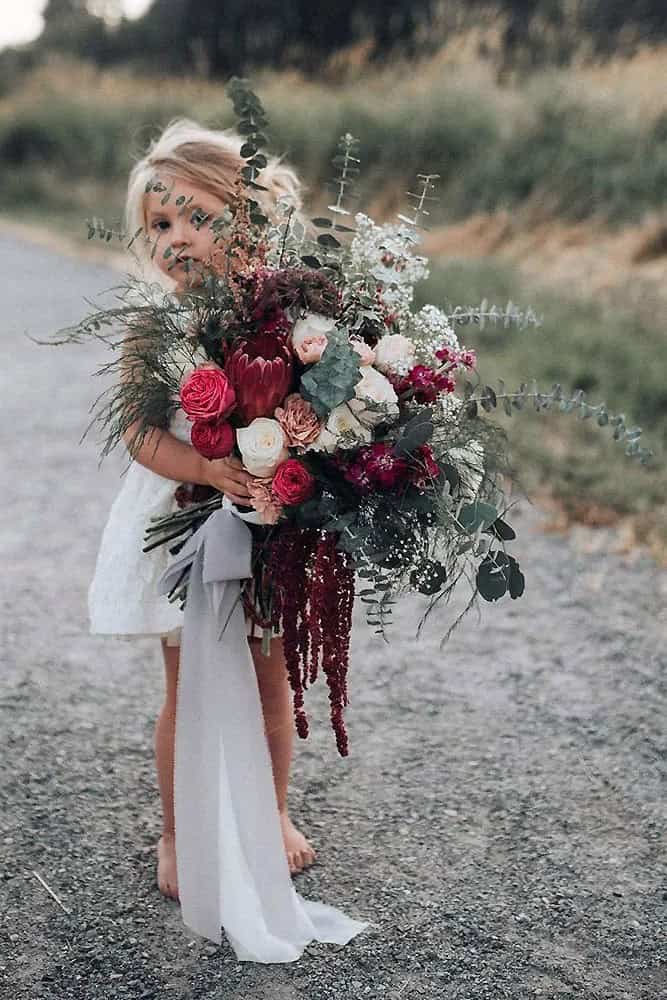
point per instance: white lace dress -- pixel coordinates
(122, 598)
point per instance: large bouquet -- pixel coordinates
(360, 418)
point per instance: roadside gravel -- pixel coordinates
(500, 817)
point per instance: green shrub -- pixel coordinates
(611, 355)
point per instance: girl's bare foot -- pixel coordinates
(167, 878)
(300, 853)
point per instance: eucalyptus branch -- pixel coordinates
(557, 399)
(485, 313)
(252, 121)
(421, 198)
(348, 164)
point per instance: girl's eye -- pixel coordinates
(198, 217)
(161, 224)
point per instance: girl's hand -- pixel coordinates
(228, 476)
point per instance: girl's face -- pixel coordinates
(185, 227)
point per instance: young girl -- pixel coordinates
(123, 598)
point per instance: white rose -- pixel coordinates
(375, 388)
(310, 336)
(342, 424)
(394, 352)
(262, 446)
(325, 441)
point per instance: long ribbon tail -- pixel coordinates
(232, 866)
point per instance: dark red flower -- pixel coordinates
(292, 482)
(426, 383)
(212, 440)
(260, 370)
(454, 357)
(385, 469)
(356, 474)
(376, 467)
(424, 466)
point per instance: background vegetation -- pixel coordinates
(547, 122)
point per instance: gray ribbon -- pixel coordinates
(232, 866)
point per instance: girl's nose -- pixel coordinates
(180, 239)
(181, 235)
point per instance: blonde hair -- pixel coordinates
(210, 159)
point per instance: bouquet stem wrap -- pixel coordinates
(232, 867)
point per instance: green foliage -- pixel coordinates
(499, 574)
(414, 433)
(612, 354)
(580, 161)
(332, 380)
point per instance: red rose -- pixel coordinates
(212, 440)
(207, 394)
(292, 482)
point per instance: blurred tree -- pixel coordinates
(240, 35)
(222, 37)
(70, 27)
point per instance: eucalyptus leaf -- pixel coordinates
(476, 515)
(332, 380)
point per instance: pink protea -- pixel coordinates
(260, 370)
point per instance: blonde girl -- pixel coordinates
(202, 165)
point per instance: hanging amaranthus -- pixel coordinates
(315, 614)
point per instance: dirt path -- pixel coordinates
(501, 815)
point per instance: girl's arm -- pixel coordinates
(166, 455)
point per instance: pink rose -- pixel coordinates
(207, 393)
(298, 421)
(292, 482)
(310, 337)
(364, 350)
(311, 349)
(212, 440)
(263, 501)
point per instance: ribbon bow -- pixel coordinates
(232, 866)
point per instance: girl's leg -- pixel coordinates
(276, 697)
(165, 729)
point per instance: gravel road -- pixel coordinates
(501, 814)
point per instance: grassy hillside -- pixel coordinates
(69, 134)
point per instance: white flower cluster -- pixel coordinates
(431, 331)
(385, 252)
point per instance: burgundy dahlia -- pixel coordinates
(385, 470)
(425, 383)
(261, 371)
